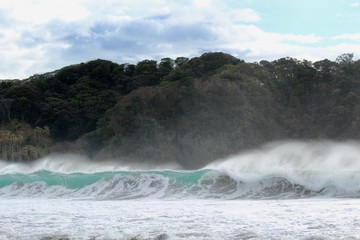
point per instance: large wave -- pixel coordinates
(277, 170)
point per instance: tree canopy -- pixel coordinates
(189, 111)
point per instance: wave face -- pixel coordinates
(140, 184)
(276, 171)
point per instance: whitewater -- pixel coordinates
(282, 190)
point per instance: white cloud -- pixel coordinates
(353, 37)
(302, 39)
(245, 15)
(42, 36)
(253, 44)
(202, 3)
(355, 4)
(42, 11)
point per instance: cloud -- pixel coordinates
(49, 37)
(353, 37)
(202, 3)
(302, 39)
(245, 15)
(355, 4)
(42, 11)
(44, 36)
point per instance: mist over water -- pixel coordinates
(73, 163)
(292, 169)
(297, 155)
(303, 190)
(314, 164)
(56, 197)
(277, 157)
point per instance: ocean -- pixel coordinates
(284, 190)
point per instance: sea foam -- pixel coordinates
(276, 170)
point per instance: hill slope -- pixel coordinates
(189, 111)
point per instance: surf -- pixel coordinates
(280, 170)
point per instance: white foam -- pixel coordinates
(314, 164)
(72, 163)
(177, 220)
(332, 168)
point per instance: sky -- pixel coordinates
(38, 36)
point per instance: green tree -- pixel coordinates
(166, 66)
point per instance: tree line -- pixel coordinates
(189, 111)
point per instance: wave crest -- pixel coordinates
(278, 170)
(161, 184)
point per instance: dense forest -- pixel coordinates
(188, 111)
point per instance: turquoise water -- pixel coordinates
(204, 183)
(276, 171)
(109, 184)
(302, 191)
(80, 180)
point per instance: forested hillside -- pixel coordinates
(189, 111)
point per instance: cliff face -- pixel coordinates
(189, 111)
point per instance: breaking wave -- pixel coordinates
(276, 171)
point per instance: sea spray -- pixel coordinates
(314, 164)
(277, 170)
(73, 163)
